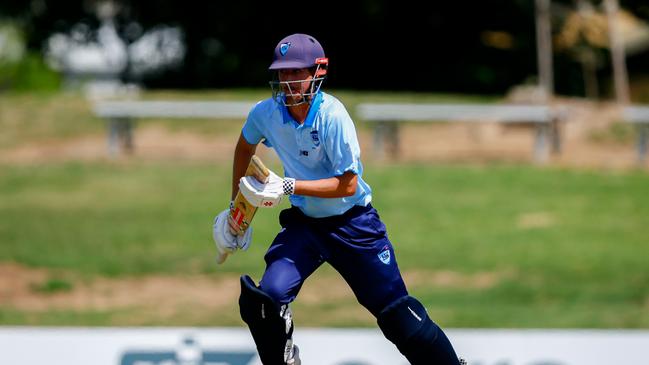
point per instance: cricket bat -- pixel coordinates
(242, 211)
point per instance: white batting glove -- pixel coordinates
(243, 241)
(266, 195)
(225, 241)
(244, 237)
(235, 228)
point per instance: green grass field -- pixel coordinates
(524, 246)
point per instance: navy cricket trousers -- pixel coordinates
(355, 244)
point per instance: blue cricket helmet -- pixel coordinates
(298, 51)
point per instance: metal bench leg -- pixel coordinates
(393, 139)
(643, 136)
(379, 138)
(555, 136)
(120, 136)
(541, 142)
(386, 137)
(127, 135)
(113, 137)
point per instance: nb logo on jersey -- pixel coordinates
(304, 153)
(283, 48)
(384, 255)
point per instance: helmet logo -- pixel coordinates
(283, 48)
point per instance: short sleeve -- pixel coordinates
(251, 131)
(341, 143)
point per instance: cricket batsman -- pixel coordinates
(331, 218)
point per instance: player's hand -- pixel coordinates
(234, 227)
(226, 242)
(243, 241)
(266, 195)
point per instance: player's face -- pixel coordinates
(295, 82)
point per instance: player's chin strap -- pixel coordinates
(271, 325)
(406, 323)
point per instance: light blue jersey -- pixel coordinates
(324, 146)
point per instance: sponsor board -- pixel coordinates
(234, 346)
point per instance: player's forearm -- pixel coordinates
(334, 187)
(242, 155)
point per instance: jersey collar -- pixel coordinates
(310, 117)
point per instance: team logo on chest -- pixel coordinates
(315, 138)
(384, 255)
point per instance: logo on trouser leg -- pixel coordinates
(384, 255)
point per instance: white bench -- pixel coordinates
(120, 116)
(639, 115)
(386, 119)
